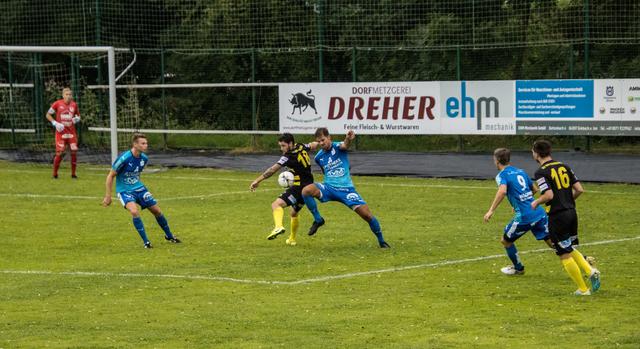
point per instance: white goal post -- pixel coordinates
(111, 61)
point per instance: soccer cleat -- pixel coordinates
(54, 177)
(147, 245)
(594, 278)
(291, 242)
(384, 244)
(275, 232)
(582, 293)
(511, 270)
(173, 239)
(74, 177)
(315, 226)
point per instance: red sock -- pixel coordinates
(74, 159)
(56, 164)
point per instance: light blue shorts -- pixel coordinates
(348, 195)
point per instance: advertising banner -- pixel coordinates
(545, 107)
(367, 108)
(577, 107)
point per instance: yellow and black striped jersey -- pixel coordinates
(556, 176)
(298, 162)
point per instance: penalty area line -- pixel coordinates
(294, 282)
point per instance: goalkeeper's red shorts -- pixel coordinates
(62, 139)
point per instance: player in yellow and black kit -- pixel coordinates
(559, 188)
(296, 159)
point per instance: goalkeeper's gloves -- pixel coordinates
(59, 127)
(76, 119)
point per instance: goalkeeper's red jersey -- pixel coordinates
(64, 114)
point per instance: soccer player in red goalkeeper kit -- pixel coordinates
(66, 116)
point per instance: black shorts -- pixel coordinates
(293, 197)
(563, 230)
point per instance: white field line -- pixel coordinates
(49, 196)
(216, 194)
(295, 282)
(399, 185)
(80, 197)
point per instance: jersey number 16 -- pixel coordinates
(560, 177)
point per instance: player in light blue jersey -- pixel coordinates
(516, 185)
(131, 192)
(333, 159)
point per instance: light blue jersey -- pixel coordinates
(335, 166)
(128, 168)
(520, 194)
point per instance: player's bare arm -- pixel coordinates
(313, 146)
(351, 135)
(543, 199)
(266, 174)
(500, 194)
(577, 190)
(109, 186)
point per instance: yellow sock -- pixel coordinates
(582, 263)
(278, 217)
(295, 222)
(574, 272)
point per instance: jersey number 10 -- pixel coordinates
(560, 177)
(303, 158)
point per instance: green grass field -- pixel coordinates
(74, 274)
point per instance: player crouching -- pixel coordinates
(126, 169)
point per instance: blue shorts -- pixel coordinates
(347, 196)
(514, 230)
(140, 196)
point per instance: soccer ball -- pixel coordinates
(285, 179)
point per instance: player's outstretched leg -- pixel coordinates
(277, 208)
(364, 212)
(309, 193)
(512, 252)
(162, 222)
(137, 223)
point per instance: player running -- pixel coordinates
(126, 169)
(333, 159)
(516, 185)
(296, 159)
(559, 188)
(66, 116)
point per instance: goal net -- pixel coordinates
(32, 79)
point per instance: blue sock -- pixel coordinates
(162, 222)
(512, 253)
(137, 222)
(310, 201)
(375, 228)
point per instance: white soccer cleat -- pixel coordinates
(581, 293)
(511, 270)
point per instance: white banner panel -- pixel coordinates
(477, 107)
(617, 99)
(544, 107)
(367, 108)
